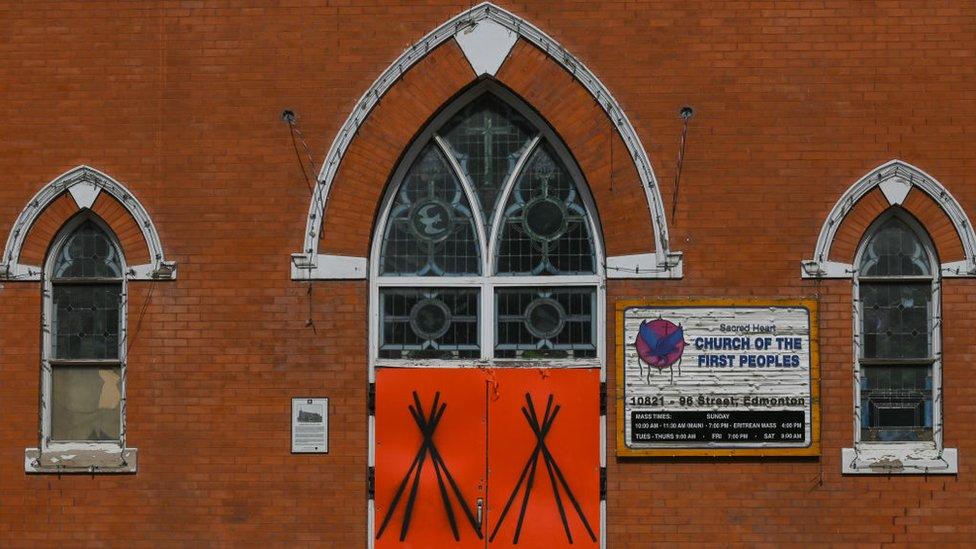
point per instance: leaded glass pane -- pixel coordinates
(545, 228)
(430, 231)
(88, 252)
(85, 402)
(896, 403)
(487, 138)
(86, 321)
(896, 319)
(545, 323)
(429, 323)
(895, 250)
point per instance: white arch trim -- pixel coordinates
(486, 33)
(84, 183)
(895, 178)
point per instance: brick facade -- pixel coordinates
(181, 101)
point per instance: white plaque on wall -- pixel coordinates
(309, 425)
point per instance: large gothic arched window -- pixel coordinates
(487, 245)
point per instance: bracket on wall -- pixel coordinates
(327, 267)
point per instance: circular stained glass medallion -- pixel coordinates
(431, 219)
(545, 318)
(544, 219)
(430, 318)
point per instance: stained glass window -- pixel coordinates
(86, 308)
(488, 137)
(441, 225)
(545, 323)
(430, 231)
(429, 323)
(896, 293)
(545, 229)
(85, 322)
(895, 250)
(88, 252)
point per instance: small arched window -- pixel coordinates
(83, 355)
(487, 241)
(897, 297)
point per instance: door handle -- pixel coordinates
(481, 511)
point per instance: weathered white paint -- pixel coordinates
(691, 381)
(642, 265)
(329, 267)
(899, 459)
(86, 462)
(896, 179)
(486, 44)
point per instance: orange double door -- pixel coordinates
(476, 458)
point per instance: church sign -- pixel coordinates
(717, 378)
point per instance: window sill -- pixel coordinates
(899, 459)
(115, 460)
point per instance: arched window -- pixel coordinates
(83, 361)
(897, 334)
(487, 246)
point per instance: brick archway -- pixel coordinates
(84, 188)
(532, 65)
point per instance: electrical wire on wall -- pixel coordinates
(685, 113)
(288, 117)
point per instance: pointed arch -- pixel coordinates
(75, 190)
(892, 185)
(486, 35)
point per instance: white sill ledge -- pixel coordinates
(899, 460)
(89, 462)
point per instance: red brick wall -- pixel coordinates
(794, 102)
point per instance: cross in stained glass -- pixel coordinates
(487, 131)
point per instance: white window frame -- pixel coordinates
(486, 281)
(79, 456)
(912, 457)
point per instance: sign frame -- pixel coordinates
(296, 403)
(813, 449)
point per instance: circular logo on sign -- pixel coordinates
(544, 218)
(545, 318)
(430, 318)
(431, 220)
(660, 343)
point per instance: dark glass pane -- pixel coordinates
(86, 321)
(488, 137)
(545, 229)
(430, 231)
(85, 402)
(896, 403)
(88, 252)
(895, 320)
(429, 323)
(549, 323)
(894, 250)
